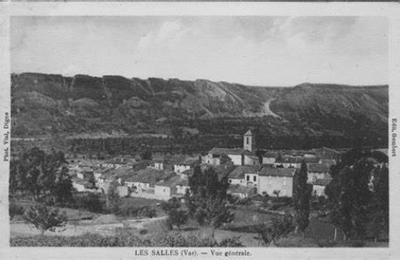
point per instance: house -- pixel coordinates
(181, 167)
(328, 162)
(251, 177)
(82, 185)
(85, 173)
(185, 175)
(269, 158)
(79, 185)
(278, 180)
(172, 187)
(317, 171)
(327, 153)
(157, 165)
(319, 186)
(241, 192)
(122, 191)
(288, 161)
(145, 178)
(237, 176)
(251, 160)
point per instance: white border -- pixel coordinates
(389, 10)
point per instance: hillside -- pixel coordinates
(48, 105)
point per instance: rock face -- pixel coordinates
(47, 104)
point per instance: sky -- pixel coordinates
(251, 50)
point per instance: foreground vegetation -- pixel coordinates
(173, 239)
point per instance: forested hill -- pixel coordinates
(44, 105)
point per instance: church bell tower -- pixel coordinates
(249, 142)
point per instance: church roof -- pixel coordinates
(248, 132)
(229, 151)
(277, 172)
(240, 171)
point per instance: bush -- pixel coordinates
(280, 227)
(143, 231)
(45, 218)
(231, 242)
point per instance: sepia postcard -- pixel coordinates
(199, 130)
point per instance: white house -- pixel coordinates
(237, 176)
(278, 180)
(172, 187)
(319, 186)
(269, 158)
(241, 191)
(184, 166)
(122, 191)
(317, 171)
(251, 160)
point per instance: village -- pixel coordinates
(165, 177)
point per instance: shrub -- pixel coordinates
(280, 227)
(45, 218)
(231, 242)
(143, 231)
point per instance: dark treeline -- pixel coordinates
(201, 144)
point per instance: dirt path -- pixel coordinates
(267, 111)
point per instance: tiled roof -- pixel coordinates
(148, 175)
(240, 171)
(327, 161)
(175, 180)
(277, 172)
(297, 159)
(271, 155)
(229, 151)
(85, 183)
(221, 169)
(322, 182)
(290, 159)
(317, 167)
(248, 133)
(188, 172)
(188, 162)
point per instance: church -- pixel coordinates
(238, 156)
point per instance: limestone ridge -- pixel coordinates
(47, 104)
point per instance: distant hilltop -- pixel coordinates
(45, 104)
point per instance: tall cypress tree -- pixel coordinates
(301, 197)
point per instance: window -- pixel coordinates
(247, 140)
(248, 178)
(254, 178)
(230, 181)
